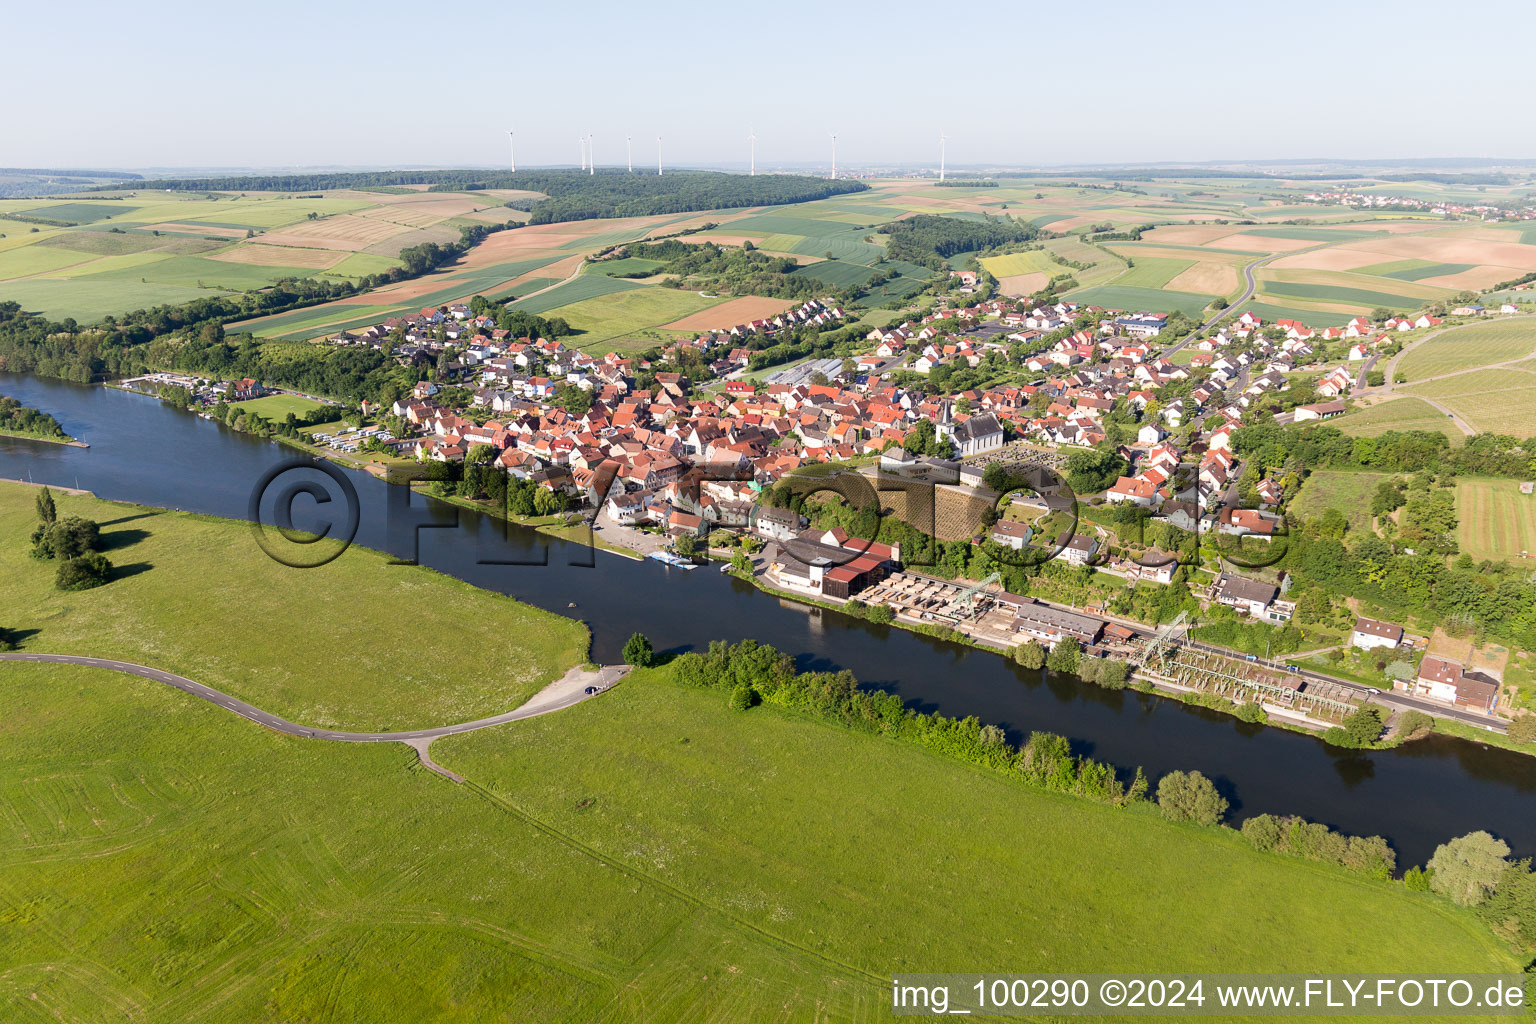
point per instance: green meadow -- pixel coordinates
(199, 597)
(605, 317)
(169, 861)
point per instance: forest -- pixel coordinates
(573, 195)
(737, 270)
(929, 239)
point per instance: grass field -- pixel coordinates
(1349, 492)
(169, 862)
(605, 317)
(1494, 520)
(1152, 272)
(1339, 294)
(197, 596)
(276, 407)
(1398, 414)
(1463, 348)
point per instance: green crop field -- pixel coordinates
(1494, 520)
(1349, 492)
(275, 407)
(627, 265)
(587, 286)
(1152, 272)
(1414, 270)
(169, 857)
(1398, 414)
(82, 212)
(1309, 234)
(1271, 312)
(91, 297)
(361, 264)
(1335, 293)
(604, 317)
(197, 596)
(1034, 261)
(1463, 348)
(836, 273)
(1152, 300)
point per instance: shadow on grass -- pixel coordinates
(123, 572)
(129, 519)
(121, 539)
(15, 639)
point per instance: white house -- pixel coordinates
(1372, 633)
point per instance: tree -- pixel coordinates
(1467, 869)
(1030, 655)
(742, 698)
(1063, 657)
(638, 651)
(45, 507)
(66, 538)
(1190, 796)
(685, 545)
(1363, 725)
(82, 573)
(1112, 674)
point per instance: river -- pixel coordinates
(1416, 796)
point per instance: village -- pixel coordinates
(683, 465)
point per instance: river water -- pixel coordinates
(1416, 796)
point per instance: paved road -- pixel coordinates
(562, 693)
(1250, 285)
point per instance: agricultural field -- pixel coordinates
(1034, 261)
(1114, 296)
(219, 631)
(587, 286)
(1501, 401)
(1466, 348)
(1397, 414)
(1349, 492)
(603, 318)
(1494, 520)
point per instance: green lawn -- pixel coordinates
(1477, 344)
(355, 644)
(276, 407)
(168, 861)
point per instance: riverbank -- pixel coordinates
(194, 595)
(70, 441)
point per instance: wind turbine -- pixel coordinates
(834, 155)
(512, 145)
(942, 139)
(629, 152)
(591, 155)
(583, 144)
(752, 139)
(658, 156)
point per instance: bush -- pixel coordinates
(1413, 725)
(82, 573)
(1418, 880)
(742, 698)
(881, 613)
(1063, 657)
(1309, 840)
(1523, 729)
(1190, 796)
(638, 651)
(1467, 869)
(1252, 711)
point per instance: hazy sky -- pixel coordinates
(383, 83)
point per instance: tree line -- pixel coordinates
(929, 239)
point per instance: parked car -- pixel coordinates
(590, 690)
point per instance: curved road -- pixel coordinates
(1250, 285)
(562, 693)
